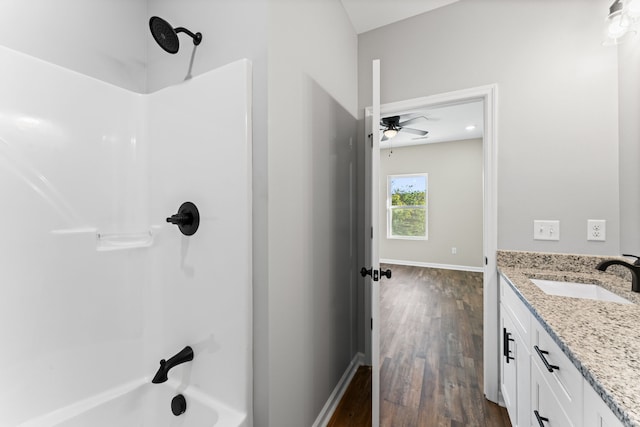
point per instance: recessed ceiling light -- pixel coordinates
(470, 127)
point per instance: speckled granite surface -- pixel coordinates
(602, 339)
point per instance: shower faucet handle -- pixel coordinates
(187, 219)
(180, 219)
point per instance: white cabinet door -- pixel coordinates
(515, 382)
(546, 411)
(596, 412)
(508, 368)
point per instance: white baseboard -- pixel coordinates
(433, 265)
(332, 403)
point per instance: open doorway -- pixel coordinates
(486, 97)
(431, 211)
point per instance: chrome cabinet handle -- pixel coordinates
(540, 419)
(547, 365)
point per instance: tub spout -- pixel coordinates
(185, 355)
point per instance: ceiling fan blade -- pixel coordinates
(413, 120)
(414, 131)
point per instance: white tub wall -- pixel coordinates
(99, 38)
(92, 320)
(200, 288)
(68, 312)
(231, 30)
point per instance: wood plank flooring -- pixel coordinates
(430, 352)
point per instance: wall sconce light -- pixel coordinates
(618, 24)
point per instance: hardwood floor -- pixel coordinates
(430, 352)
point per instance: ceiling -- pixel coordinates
(367, 15)
(446, 123)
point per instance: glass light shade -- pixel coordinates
(632, 8)
(390, 133)
(617, 28)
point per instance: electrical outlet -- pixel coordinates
(546, 230)
(597, 229)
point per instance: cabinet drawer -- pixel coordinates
(563, 378)
(546, 410)
(596, 412)
(517, 310)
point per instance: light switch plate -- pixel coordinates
(546, 230)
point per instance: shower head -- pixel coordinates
(167, 36)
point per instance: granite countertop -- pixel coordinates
(602, 339)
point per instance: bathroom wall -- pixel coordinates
(105, 39)
(629, 95)
(557, 105)
(454, 197)
(311, 217)
(304, 240)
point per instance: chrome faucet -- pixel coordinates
(634, 268)
(185, 355)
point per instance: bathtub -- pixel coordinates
(143, 404)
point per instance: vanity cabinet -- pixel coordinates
(540, 385)
(515, 356)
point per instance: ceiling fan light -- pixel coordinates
(390, 133)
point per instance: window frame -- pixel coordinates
(391, 208)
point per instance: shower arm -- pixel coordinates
(197, 37)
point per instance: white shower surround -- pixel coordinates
(96, 287)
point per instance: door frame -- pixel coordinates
(489, 96)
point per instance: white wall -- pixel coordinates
(454, 197)
(100, 38)
(312, 109)
(557, 106)
(629, 92)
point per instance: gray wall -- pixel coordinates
(312, 108)
(629, 91)
(454, 197)
(557, 106)
(100, 38)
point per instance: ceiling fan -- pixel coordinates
(392, 125)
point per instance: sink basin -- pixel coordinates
(578, 290)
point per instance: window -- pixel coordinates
(407, 206)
